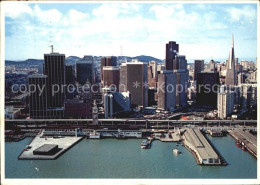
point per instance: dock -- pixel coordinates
(40, 146)
(247, 139)
(201, 149)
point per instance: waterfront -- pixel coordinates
(111, 158)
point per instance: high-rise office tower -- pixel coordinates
(84, 72)
(152, 74)
(107, 61)
(38, 96)
(166, 90)
(123, 78)
(198, 67)
(137, 82)
(207, 88)
(54, 68)
(225, 103)
(111, 76)
(69, 74)
(180, 63)
(181, 86)
(231, 66)
(182, 75)
(172, 49)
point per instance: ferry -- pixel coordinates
(144, 144)
(176, 151)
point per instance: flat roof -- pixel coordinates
(45, 148)
(203, 147)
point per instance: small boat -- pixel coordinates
(238, 144)
(94, 135)
(244, 148)
(144, 144)
(176, 151)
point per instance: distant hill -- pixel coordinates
(142, 58)
(73, 59)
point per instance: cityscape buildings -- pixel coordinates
(225, 102)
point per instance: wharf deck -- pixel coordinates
(64, 144)
(247, 139)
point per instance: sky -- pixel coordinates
(203, 31)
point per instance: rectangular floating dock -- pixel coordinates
(48, 148)
(247, 139)
(202, 150)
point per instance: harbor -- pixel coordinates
(113, 158)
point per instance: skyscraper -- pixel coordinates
(111, 76)
(225, 103)
(198, 67)
(152, 74)
(69, 74)
(231, 66)
(137, 82)
(166, 90)
(123, 78)
(207, 88)
(54, 68)
(172, 49)
(181, 85)
(182, 75)
(107, 61)
(84, 71)
(38, 96)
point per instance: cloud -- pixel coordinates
(47, 16)
(163, 12)
(247, 13)
(15, 9)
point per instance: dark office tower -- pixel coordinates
(172, 50)
(198, 67)
(111, 76)
(166, 90)
(69, 74)
(123, 78)
(137, 83)
(107, 61)
(180, 62)
(84, 71)
(231, 66)
(38, 96)
(152, 74)
(207, 88)
(69, 80)
(54, 68)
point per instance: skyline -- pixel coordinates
(128, 29)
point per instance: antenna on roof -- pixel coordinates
(51, 46)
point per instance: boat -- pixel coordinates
(144, 144)
(94, 135)
(244, 148)
(176, 151)
(121, 136)
(238, 144)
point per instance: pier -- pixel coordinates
(247, 139)
(202, 150)
(42, 147)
